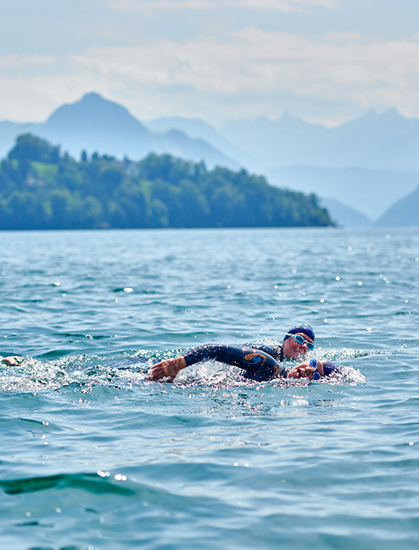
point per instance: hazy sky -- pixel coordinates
(322, 60)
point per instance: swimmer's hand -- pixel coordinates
(168, 368)
(13, 360)
(304, 370)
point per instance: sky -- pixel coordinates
(325, 61)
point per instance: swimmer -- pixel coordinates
(259, 362)
(13, 360)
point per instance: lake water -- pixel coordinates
(95, 456)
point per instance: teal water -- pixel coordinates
(95, 456)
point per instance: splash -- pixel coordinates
(35, 375)
(126, 369)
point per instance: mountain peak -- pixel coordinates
(92, 96)
(95, 113)
(371, 114)
(286, 115)
(94, 123)
(392, 113)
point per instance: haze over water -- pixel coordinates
(95, 456)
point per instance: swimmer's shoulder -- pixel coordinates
(274, 350)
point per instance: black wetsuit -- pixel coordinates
(259, 361)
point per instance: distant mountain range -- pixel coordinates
(365, 165)
(344, 215)
(404, 212)
(96, 124)
(370, 192)
(386, 141)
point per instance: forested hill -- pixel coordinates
(40, 188)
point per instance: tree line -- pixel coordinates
(42, 188)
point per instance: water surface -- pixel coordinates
(95, 456)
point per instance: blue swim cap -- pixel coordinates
(305, 329)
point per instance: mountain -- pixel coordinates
(284, 142)
(371, 192)
(96, 124)
(194, 127)
(386, 141)
(405, 212)
(366, 164)
(197, 128)
(344, 215)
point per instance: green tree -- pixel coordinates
(41, 188)
(31, 148)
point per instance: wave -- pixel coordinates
(99, 483)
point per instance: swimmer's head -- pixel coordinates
(295, 346)
(298, 329)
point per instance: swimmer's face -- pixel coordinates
(292, 349)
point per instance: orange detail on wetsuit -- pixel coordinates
(255, 358)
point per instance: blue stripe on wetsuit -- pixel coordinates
(258, 364)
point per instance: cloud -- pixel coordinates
(19, 61)
(260, 62)
(281, 5)
(252, 72)
(32, 98)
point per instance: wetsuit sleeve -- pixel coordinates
(273, 351)
(257, 364)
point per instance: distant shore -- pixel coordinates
(41, 188)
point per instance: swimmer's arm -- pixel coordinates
(170, 368)
(263, 366)
(305, 370)
(13, 360)
(258, 364)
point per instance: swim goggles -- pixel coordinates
(313, 363)
(300, 340)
